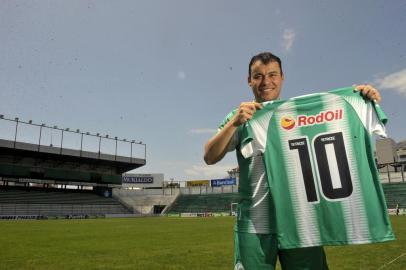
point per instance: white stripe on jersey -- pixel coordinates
(259, 212)
(306, 221)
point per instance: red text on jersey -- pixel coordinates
(321, 118)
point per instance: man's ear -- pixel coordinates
(249, 80)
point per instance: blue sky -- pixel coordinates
(167, 72)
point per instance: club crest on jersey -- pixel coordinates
(288, 122)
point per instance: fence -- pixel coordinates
(392, 177)
(170, 191)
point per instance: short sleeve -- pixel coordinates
(370, 113)
(251, 143)
(378, 120)
(254, 133)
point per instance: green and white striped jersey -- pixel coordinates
(255, 213)
(321, 170)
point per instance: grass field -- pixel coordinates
(158, 243)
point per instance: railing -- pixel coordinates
(392, 177)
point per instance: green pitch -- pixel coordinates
(157, 244)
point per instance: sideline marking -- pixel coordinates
(386, 264)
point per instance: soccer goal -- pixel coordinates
(233, 209)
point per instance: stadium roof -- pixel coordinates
(26, 160)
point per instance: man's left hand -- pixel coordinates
(369, 92)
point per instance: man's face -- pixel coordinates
(265, 81)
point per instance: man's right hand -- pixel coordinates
(217, 146)
(245, 112)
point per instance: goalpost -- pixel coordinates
(233, 209)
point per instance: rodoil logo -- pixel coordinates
(288, 122)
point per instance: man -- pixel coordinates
(256, 246)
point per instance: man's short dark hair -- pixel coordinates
(265, 58)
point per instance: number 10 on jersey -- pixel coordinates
(332, 166)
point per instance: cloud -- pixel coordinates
(288, 39)
(181, 75)
(206, 171)
(203, 131)
(395, 82)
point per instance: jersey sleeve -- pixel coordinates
(235, 139)
(247, 141)
(254, 133)
(252, 143)
(370, 113)
(376, 120)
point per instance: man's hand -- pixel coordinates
(369, 92)
(217, 146)
(245, 112)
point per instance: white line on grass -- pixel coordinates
(386, 264)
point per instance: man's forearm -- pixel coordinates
(216, 148)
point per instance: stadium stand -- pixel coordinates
(395, 193)
(214, 203)
(40, 202)
(29, 160)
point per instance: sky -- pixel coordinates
(167, 72)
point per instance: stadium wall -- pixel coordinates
(144, 203)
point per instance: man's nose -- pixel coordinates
(267, 81)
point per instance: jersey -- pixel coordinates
(255, 213)
(321, 169)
